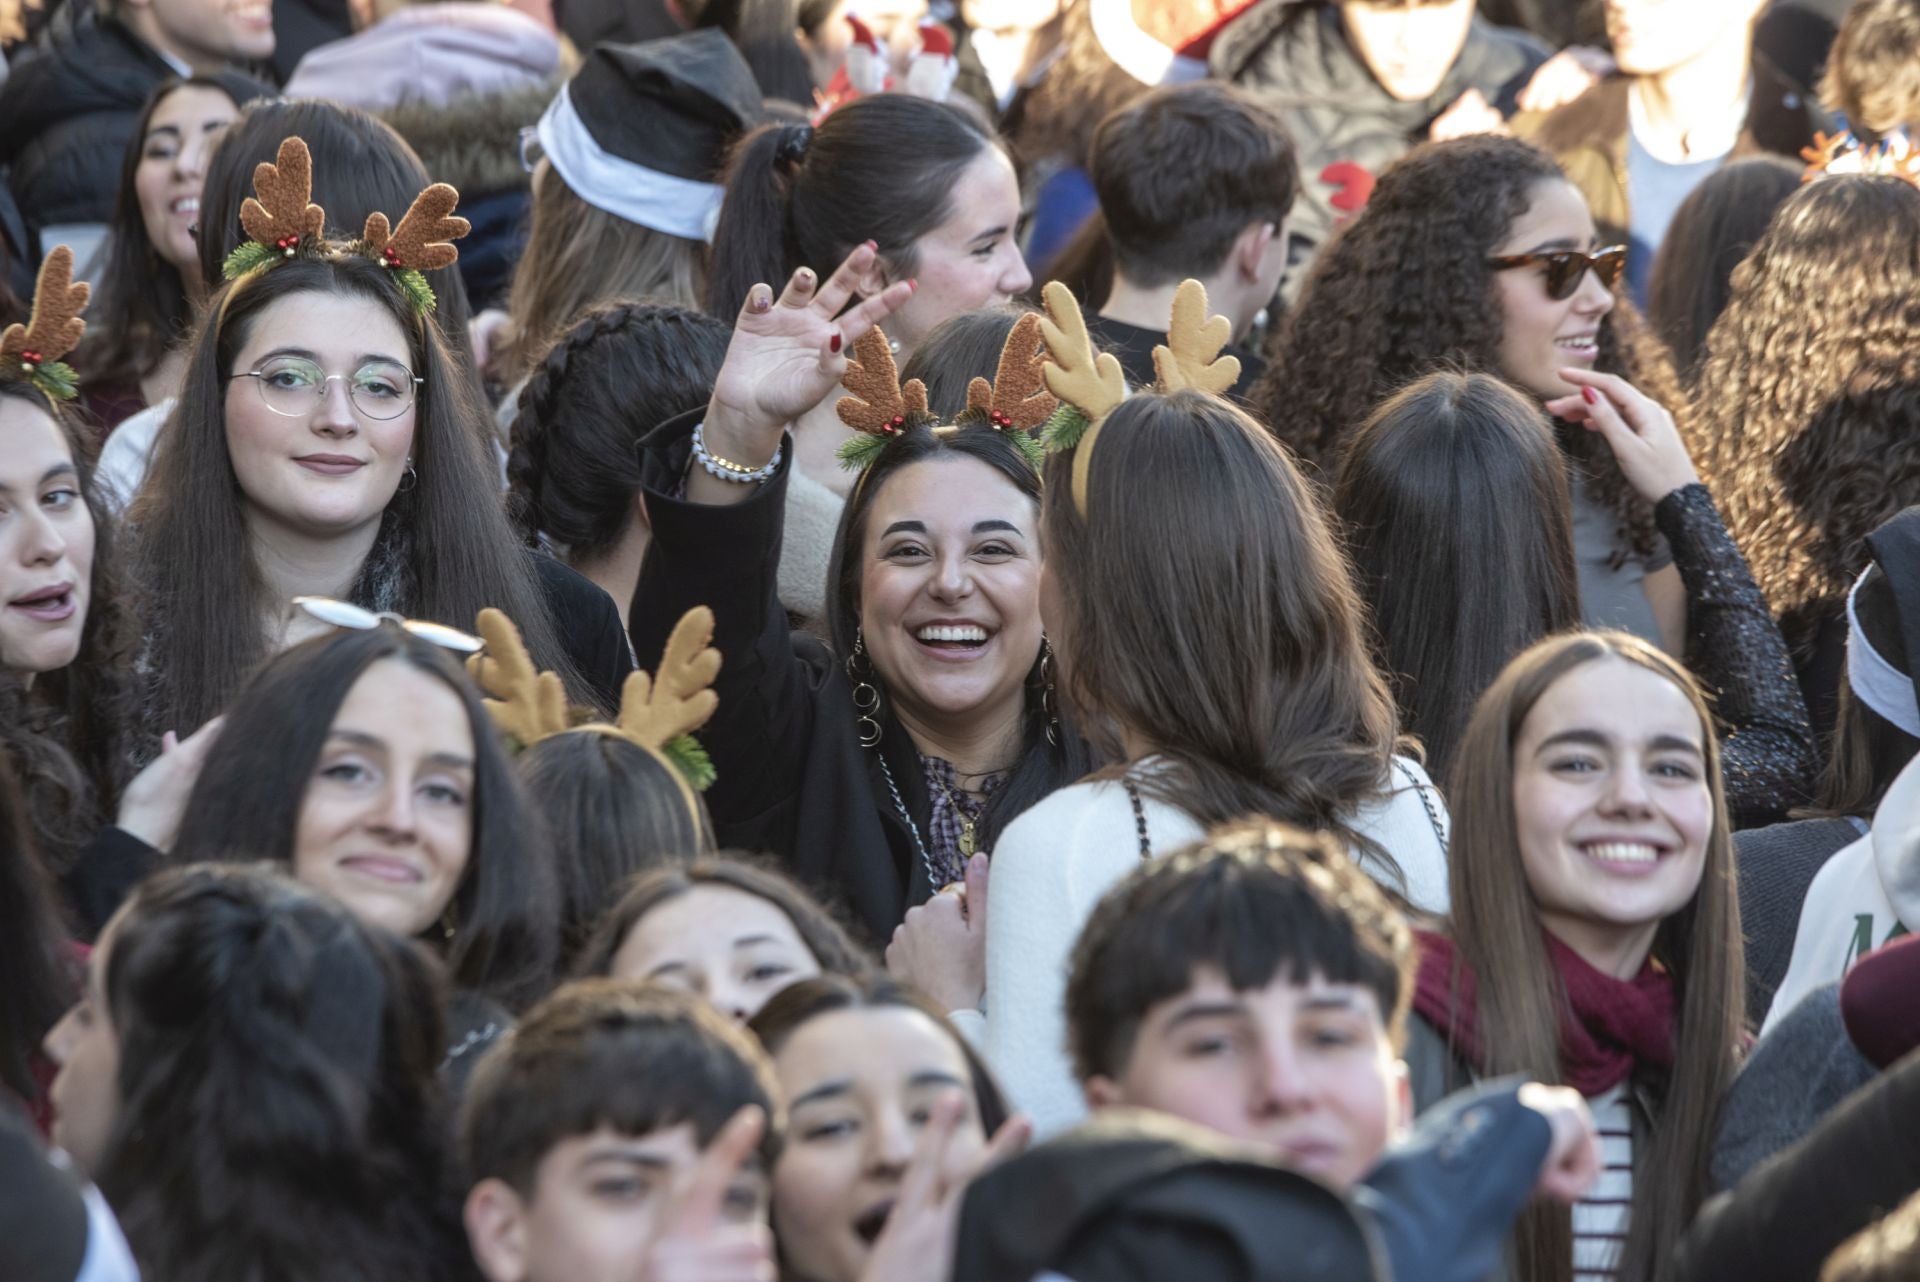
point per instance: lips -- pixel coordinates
(47, 605)
(1585, 347)
(952, 638)
(331, 464)
(1624, 856)
(383, 868)
(872, 1221)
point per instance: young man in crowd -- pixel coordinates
(617, 1128)
(1691, 94)
(1360, 82)
(1194, 181)
(68, 107)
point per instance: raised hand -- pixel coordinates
(917, 1243)
(694, 1242)
(787, 355)
(1638, 430)
(153, 804)
(941, 947)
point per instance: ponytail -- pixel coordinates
(752, 243)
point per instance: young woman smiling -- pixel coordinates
(872, 767)
(1594, 938)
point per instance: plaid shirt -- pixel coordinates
(950, 807)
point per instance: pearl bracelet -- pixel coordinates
(726, 469)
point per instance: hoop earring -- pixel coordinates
(866, 696)
(1048, 708)
(408, 481)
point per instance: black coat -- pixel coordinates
(67, 112)
(793, 780)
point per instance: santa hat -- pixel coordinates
(931, 72)
(866, 65)
(642, 130)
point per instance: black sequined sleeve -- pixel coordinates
(1736, 650)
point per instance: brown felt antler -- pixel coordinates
(527, 705)
(54, 327)
(424, 239)
(280, 211)
(678, 698)
(1018, 395)
(878, 404)
(1191, 358)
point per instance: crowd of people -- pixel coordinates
(959, 640)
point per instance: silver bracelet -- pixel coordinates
(726, 469)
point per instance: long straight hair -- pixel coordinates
(1206, 606)
(33, 971)
(1453, 499)
(246, 804)
(443, 551)
(1497, 932)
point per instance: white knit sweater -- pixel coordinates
(1052, 865)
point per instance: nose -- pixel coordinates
(1280, 1087)
(334, 416)
(393, 817)
(1017, 278)
(58, 1043)
(43, 543)
(1593, 298)
(952, 576)
(729, 998)
(890, 1142)
(1626, 794)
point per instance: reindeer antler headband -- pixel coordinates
(1844, 153)
(658, 713)
(283, 222)
(1090, 386)
(881, 410)
(34, 352)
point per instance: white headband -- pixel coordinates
(1877, 683)
(680, 207)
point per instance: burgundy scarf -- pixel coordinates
(1610, 1025)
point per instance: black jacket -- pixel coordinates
(67, 112)
(1294, 55)
(793, 780)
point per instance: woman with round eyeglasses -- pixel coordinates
(325, 445)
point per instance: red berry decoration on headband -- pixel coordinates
(29, 359)
(390, 256)
(1000, 419)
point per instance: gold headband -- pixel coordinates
(1090, 386)
(33, 353)
(658, 714)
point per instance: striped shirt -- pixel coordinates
(1600, 1218)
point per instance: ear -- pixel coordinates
(497, 1231)
(875, 278)
(1102, 1092)
(1250, 250)
(1400, 1083)
(640, 510)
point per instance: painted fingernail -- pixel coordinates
(833, 344)
(761, 300)
(806, 275)
(914, 284)
(1590, 396)
(874, 245)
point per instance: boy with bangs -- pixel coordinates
(620, 1130)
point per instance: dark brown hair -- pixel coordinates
(1868, 752)
(1872, 76)
(1257, 901)
(1810, 388)
(1496, 927)
(443, 551)
(880, 168)
(1180, 174)
(1453, 499)
(1405, 289)
(1198, 517)
(1715, 228)
(632, 1057)
(819, 928)
(34, 970)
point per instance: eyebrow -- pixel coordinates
(979, 527)
(1560, 242)
(1197, 1011)
(156, 130)
(1594, 739)
(826, 1090)
(361, 739)
(992, 233)
(626, 1157)
(748, 941)
(364, 358)
(63, 468)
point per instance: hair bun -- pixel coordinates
(792, 151)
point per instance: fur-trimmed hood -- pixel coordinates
(473, 141)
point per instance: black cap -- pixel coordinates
(673, 106)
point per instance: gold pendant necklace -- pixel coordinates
(968, 843)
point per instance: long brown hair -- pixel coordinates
(1206, 606)
(1453, 499)
(1811, 387)
(1496, 928)
(1405, 289)
(444, 543)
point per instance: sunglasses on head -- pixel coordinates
(1566, 268)
(344, 614)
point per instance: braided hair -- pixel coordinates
(621, 370)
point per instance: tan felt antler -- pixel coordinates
(527, 705)
(55, 327)
(1018, 392)
(424, 239)
(678, 698)
(279, 212)
(878, 403)
(1091, 384)
(1187, 359)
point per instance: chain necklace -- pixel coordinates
(900, 808)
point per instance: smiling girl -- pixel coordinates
(1593, 874)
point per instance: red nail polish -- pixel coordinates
(874, 245)
(1590, 396)
(833, 344)
(914, 284)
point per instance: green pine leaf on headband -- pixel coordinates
(57, 379)
(858, 454)
(417, 289)
(691, 760)
(1033, 451)
(1064, 430)
(247, 256)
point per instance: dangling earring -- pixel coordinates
(411, 479)
(1047, 706)
(449, 925)
(866, 696)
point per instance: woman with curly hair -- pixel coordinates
(1479, 255)
(1807, 400)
